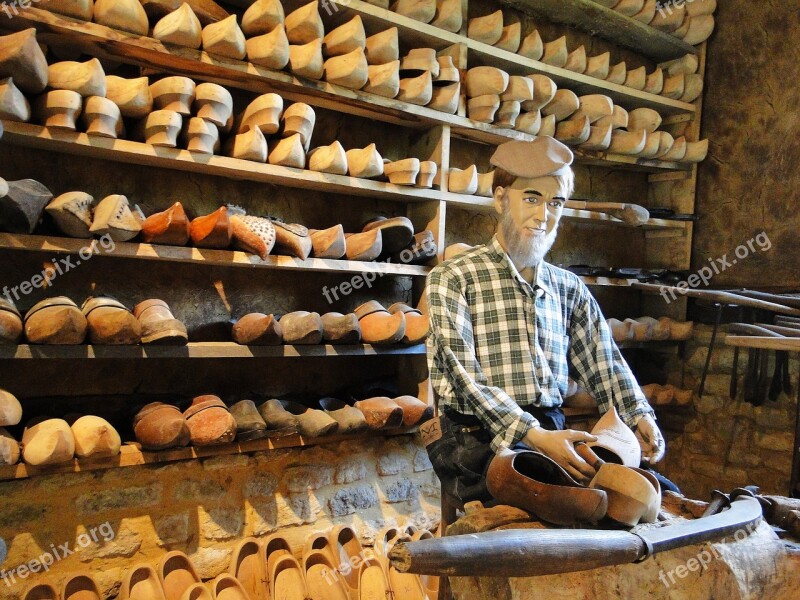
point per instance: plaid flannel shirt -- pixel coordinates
(496, 344)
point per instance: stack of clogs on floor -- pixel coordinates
(647, 329)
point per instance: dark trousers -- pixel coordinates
(462, 455)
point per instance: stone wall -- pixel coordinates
(719, 443)
(204, 508)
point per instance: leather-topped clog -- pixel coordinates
(209, 421)
(159, 426)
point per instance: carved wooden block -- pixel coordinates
(696, 151)
(598, 66)
(125, 15)
(510, 37)
(420, 59)
(58, 109)
(486, 29)
(364, 162)
(563, 104)
(262, 16)
(181, 27)
(202, 137)
(532, 46)
(299, 119)
(548, 126)
(213, 103)
(263, 113)
(507, 114)
(556, 53)
(384, 80)
(544, 90)
(250, 145)
(599, 138)
(419, 10)
(445, 98)
(77, 9)
(161, 128)
(618, 120)
(576, 60)
(463, 181)
(173, 93)
(304, 24)
(306, 60)
(627, 142)
(574, 131)
(113, 216)
(102, 117)
(654, 84)
(618, 73)
(427, 173)
(132, 96)
(483, 108)
(225, 38)
(270, 50)
(678, 150)
(595, 106)
(287, 152)
(13, 104)
(670, 19)
(651, 145)
(529, 122)
(416, 90)
(644, 118)
(87, 78)
(448, 72)
(486, 80)
(665, 142)
(402, 172)
(345, 38)
(692, 88)
(22, 59)
(328, 159)
(448, 15)
(348, 70)
(485, 184)
(72, 213)
(636, 78)
(382, 47)
(674, 86)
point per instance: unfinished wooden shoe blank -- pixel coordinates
(22, 59)
(481, 81)
(292, 239)
(627, 142)
(486, 29)
(328, 159)
(564, 103)
(382, 47)
(161, 128)
(544, 90)
(58, 109)
(576, 60)
(378, 325)
(402, 172)
(695, 151)
(364, 246)
(419, 10)
(463, 181)
(258, 329)
(519, 89)
(132, 96)
(654, 83)
(113, 217)
(598, 66)
(10, 409)
(180, 27)
(102, 117)
(556, 52)
(262, 16)
(445, 98)
(48, 442)
(10, 333)
(418, 60)
(301, 327)
(175, 94)
(348, 70)
(510, 37)
(13, 104)
(287, 152)
(618, 73)
(532, 46)
(263, 113)
(9, 455)
(299, 118)
(599, 138)
(250, 145)
(416, 90)
(507, 114)
(169, 227)
(21, 204)
(213, 103)
(384, 80)
(56, 320)
(95, 437)
(529, 122)
(125, 15)
(306, 60)
(483, 108)
(304, 24)
(328, 243)
(448, 15)
(365, 162)
(225, 38)
(77, 9)
(110, 322)
(270, 50)
(573, 132)
(202, 137)
(159, 325)
(345, 38)
(644, 118)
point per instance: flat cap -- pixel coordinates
(543, 156)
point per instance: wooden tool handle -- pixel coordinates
(792, 301)
(748, 329)
(717, 296)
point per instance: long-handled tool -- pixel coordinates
(632, 214)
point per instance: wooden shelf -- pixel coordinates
(417, 34)
(763, 343)
(131, 456)
(184, 254)
(200, 350)
(103, 42)
(608, 24)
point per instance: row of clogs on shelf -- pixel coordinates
(534, 104)
(208, 421)
(334, 566)
(647, 329)
(691, 21)
(667, 395)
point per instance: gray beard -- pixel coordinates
(523, 252)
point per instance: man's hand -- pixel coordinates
(650, 439)
(560, 446)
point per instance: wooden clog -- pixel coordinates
(287, 152)
(576, 60)
(481, 81)
(161, 128)
(419, 10)
(627, 142)
(618, 73)
(669, 19)
(384, 80)
(263, 113)
(564, 103)
(55, 320)
(140, 582)
(529, 122)
(416, 90)
(556, 52)
(507, 114)
(102, 117)
(419, 60)
(414, 410)
(345, 38)
(417, 324)
(292, 239)
(253, 234)
(113, 217)
(225, 38)
(532, 46)
(214, 230)
(10, 333)
(250, 145)
(210, 422)
(21, 204)
(647, 13)
(396, 232)
(177, 574)
(286, 577)
(695, 151)
(169, 227)
(595, 106)
(77, 9)
(328, 243)
(10, 409)
(618, 120)
(486, 29)
(644, 118)
(650, 145)
(345, 546)
(674, 86)
(9, 455)
(299, 118)
(48, 442)
(304, 24)
(13, 104)
(258, 329)
(519, 89)
(483, 108)
(270, 50)
(364, 246)
(158, 426)
(448, 15)
(262, 16)
(320, 571)
(693, 87)
(80, 587)
(301, 327)
(227, 587)
(445, 98)
(402, 172)
(213, 103)
(383, 47)
(654, 83)
(378, 325)
(687, 64)
(328, 159)
(306, 60)
(88, 78)
(202, 137)
(132, 96)
(510, 37)
(574, 131)
(22, 59)
(598, 66)
(544, 90)
(629, 7)
(665, 142)
(181, 27)
(548, 126)
(599, 138)
(427, 172)
(636, 78)
(125, 15)
(447, 71)
(365, 162)
(250, 425)
(348, 70)
(677, 152)
(72, 213)
(173, 94)
(159, 325)
(58, 109)
(207, 11)
(463, 181)
(95, 437)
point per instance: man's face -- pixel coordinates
(530, 210)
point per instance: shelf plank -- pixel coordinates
(81, 144)
(131, 456)
(763, 343)
(200, 350)
(183, 254)
(608, 24)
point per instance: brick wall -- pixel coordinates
(205, 507)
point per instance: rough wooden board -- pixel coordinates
(606, 23)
